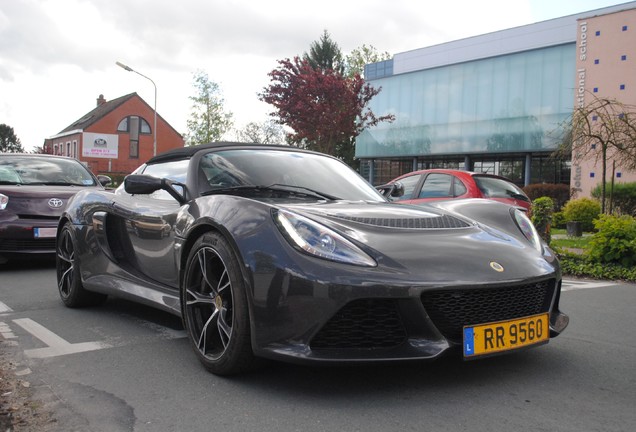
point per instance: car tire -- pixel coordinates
(214, 307)
(69, 281)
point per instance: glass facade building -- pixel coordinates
(492, 109)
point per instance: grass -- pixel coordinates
(560, 239)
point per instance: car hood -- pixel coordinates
(450, 245)
(38, 200)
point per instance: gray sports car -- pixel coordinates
(276, 252)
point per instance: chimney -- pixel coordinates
(101, 100)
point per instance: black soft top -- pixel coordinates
(187, 152)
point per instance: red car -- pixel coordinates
(442, 184)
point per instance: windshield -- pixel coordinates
(320, 176)
(43, 170)
(493, 187)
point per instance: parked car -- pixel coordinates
(282, 253)
(442, 184)
(34, 190)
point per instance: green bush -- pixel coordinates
(614, 241)
(623, 196)
(577, 265)
(558, 220)
(583, 210)
(542, 209)
(560, 193)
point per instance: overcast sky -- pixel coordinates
(58, 56)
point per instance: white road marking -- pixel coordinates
(573, 284)
(5, 331)
(56, 345)
(4, 308)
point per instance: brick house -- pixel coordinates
(115, 137)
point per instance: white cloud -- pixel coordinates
(57, 56)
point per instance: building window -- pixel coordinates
(134, 149)
(75, 149)
(598, 32)
(595, 89)
(68, 149)
(623, 57)
(594, 117)
(618, 175)
(141, 124)
(622, 86)
(624, 28)
(591, 175)
(596, 61)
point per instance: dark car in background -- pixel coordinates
(34, 189)
(276, 252)
(442, 184)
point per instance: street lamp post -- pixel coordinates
(154, 129)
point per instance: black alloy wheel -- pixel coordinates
(214, 307)
(69, 282)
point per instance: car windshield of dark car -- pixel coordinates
(493, 187)
(43, 170)
(315, 176)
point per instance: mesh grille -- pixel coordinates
(451, 310)
(439, 222)
(27, 245)
(365, 323)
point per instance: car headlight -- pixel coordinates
(527, 228)
(320, 241)
(4, 200)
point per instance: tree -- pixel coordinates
(208, 120)
(267, 132)
(325, 109)
(601, 130)
(325, 55)
(363, 55)
(9, 142)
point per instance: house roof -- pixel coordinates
(101, 111)
(98, 113)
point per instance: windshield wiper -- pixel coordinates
(275, 188)
(53, 183)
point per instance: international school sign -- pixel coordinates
(97, 145)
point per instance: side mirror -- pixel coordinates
(391, 190)
(140, 184)
(104, 180)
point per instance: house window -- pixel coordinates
(598, 33)
(622, 87)
(596, 61)
(594, 117)
(618, 175)
(593, 146)
(68, 149)
(134, 149)
(75, 149)
(624, 28)
(623, 57)
(591, 175)
(595, 89)
(134, 122)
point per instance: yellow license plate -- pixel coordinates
(500, 336)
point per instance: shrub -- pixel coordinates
(542, 209)
(615, 241)
(583, 210)
(624, 197)
(560, 193)
(558, 220)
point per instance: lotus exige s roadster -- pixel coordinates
(275, 252)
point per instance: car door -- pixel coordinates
(147, 225)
